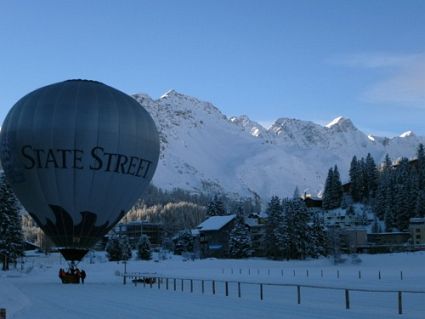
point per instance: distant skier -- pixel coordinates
(82, 275)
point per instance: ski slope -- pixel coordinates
(35, 292)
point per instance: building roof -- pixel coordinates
(215, 222)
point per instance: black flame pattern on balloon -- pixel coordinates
(64, 233)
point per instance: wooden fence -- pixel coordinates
(188, 284)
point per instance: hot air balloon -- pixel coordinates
(78, 155)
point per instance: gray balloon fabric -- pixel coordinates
(78, 155)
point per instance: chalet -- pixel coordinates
(214, 235)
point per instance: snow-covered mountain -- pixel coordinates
(204, 151)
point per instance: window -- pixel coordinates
(418, 236)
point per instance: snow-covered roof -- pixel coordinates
(215, 222)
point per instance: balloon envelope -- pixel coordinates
(78, 155)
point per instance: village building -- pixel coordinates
(135, 229)
(214, 235)
(417, 231)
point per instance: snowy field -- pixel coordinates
(35, 292)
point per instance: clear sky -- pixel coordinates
(312, 60)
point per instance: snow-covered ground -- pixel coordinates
(35, 292)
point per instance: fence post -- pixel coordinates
(239, 289)
(124, 281)
(347, 299)
(306, 272)
(2, 313)
(150, 282)
(240, 271)
(261, 291)
(249, 271)
(360, 274)
(213, 287)
(337, 274)
(227, 288)
(379, 275)
(281, 272)
(401, 275)
(400, 303)
(144, 282)
(159, 283)
(182, 284)
(321, 273)
(175, 284)
(191, 285)
(298, 294)
(203, 286)
(135, 281)
(166, 283)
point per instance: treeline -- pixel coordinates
(180, 210)
(395, 192)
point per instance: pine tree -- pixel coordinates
(239, 239)
(125, 248)
(420, 155)
(337, 190)
(144, 248)
(299, 238)
(332, 195)
(113, 248)
(327, 193)
(275, 217)
(11, 236)
(319, 245)
(356, 180)
(216, 207)
(372, 175)
(118, 248)
(184, 242)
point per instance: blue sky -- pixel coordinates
(312, 60)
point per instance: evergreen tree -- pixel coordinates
(125, 248)
(239, 239)
(144, 248)
(403, 204)
(327, 193)
(299, 238)
(319, 245)
(372, 175)
(420, 204)
(420, 155)
(11, 235)
(113, 248)
(337, 190)
(275, 217)
(184, 242)
(383, 203)
(356, 180)
(216, 207)
(332, 195)
(118, 248)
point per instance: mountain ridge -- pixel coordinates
(203, 150)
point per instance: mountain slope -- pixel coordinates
(204, 151)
